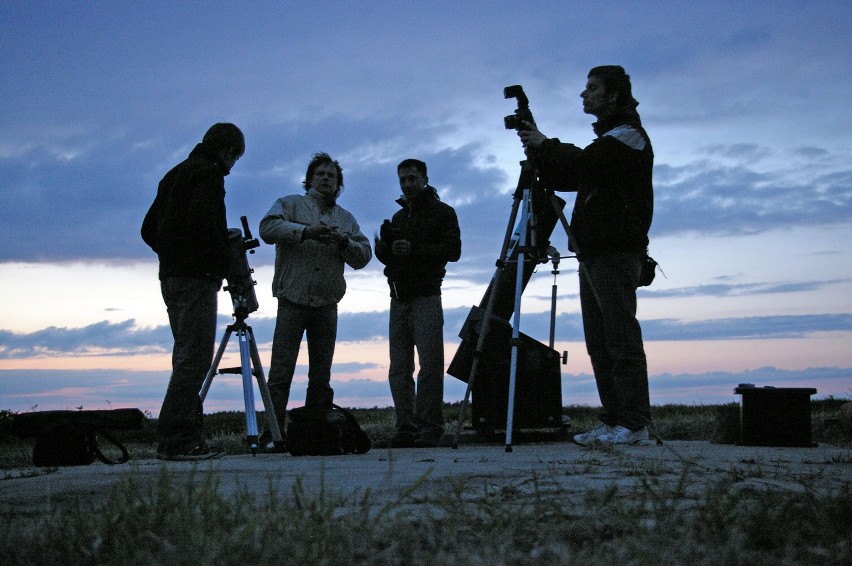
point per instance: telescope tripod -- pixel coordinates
(250, 365)
(522, 248)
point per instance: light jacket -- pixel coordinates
(308, 272)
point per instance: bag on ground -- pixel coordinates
(323, 430)
(70, 438)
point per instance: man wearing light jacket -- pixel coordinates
(314, 239)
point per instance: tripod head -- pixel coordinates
(240, 284)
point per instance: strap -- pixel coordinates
(363, 442)
(125, 456)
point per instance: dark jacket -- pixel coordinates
(433, 230)
(612, 177)
(187, 225)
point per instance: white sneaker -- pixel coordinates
(588, 438)
(623, 435)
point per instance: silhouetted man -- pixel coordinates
(187, 227)
(415, 246)
(612, 214)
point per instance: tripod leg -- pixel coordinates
(248, 392)
(486, 320)
(507, 239)
(513, 368)
(477, 355)
(552, 341)
(271, 417)
(215, 367)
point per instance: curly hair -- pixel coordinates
(318, 159)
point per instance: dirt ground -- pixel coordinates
(558, 468)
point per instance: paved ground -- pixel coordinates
(561, 469)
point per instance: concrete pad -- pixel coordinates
(416, 476)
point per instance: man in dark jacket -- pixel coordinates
(610, 222)
(415, 246)
(186, 226)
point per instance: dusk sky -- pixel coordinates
(746, 104)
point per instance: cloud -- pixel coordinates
(741, 289)
(28, 390)
(111, 133)
(125, 339)
(103, 205)
(712, 198)
(747, 327)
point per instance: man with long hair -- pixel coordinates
(612, 214)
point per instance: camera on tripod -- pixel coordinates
(522, 113)
(240, 284)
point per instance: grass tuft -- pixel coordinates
(191, 522)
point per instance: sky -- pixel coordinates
(746, 105)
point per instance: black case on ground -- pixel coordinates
(538, 379)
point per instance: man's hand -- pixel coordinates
(338, 239)
(530, 136)
(318, 232)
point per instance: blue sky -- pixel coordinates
(746, 105)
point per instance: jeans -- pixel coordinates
(614, 338)
(191, 304)
(418, 323)
(320, 324)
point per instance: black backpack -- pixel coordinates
(325, 430)
(69, 438)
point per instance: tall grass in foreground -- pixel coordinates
(171, 522)
(191, 521)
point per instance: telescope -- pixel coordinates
(240, 284)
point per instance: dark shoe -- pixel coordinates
(266, 444)
(428, 440)
(196, 453)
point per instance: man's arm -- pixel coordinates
(355, 247)
(388, 233)
(278, 227)
(150, 225)
(557, 163)
(448, 246)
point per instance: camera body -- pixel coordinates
(390, 233)
(240, 284)
(522, 113)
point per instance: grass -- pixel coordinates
(171, 522)
(190, 521)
